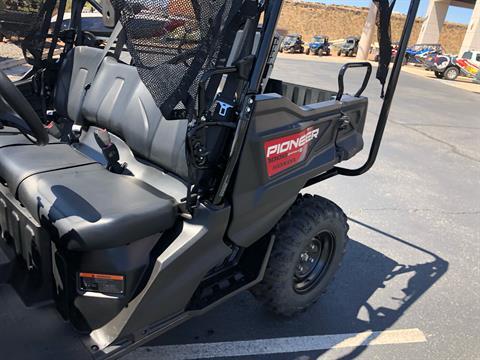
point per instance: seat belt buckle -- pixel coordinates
(110, 151)
(75, 133)
(53, 129)
(189, 203)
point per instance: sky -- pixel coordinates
(455, 14)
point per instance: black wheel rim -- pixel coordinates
(313, 262)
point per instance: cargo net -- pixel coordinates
(42, 43)
(32, 24)
(173, 42)
(18, 17)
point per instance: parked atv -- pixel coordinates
(418, 53)
(319, 46)
(137, 194)
(349, 47)
(292, 44)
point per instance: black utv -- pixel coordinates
(147, 180)
(349, 47)
(292, 44)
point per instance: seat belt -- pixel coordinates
(78, 125)
(110, 151)
(102, 137)
(108, 46)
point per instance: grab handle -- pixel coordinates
(341, 75)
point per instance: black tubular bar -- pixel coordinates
(248, 100)
(263, 53)
(341, 75)
(387, 103)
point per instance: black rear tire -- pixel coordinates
(438, 75)
(314, 228)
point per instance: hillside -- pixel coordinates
(337, 22)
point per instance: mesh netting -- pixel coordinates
(172, 42)
(32, 23)
(18, 17)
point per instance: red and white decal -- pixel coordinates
(285, 152)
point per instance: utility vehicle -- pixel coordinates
(147, 181)
(419, 52)
(349, 47)
(450, 67)
(292, 43)
(318, 46)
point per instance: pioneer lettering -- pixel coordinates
(292, 144)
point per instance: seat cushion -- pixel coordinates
(153, 175)
(18, 162)
(88, 208)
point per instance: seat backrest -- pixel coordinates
(72, 79)
(119, 101)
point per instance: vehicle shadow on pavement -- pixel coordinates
(370, 293)
(404, 284)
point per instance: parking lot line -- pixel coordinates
(280, 345)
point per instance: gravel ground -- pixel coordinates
(9, 51)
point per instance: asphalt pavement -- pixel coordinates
(409, 287)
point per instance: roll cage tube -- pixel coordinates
(387, 103)
(271, 17)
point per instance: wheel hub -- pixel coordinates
(313, 262)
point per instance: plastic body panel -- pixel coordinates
(91, 310)
(259, 200)
(31, 246)
(176, 274)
